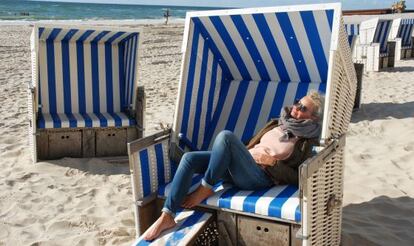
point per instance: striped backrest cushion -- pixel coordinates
(241, 69)
(381, 34)
(86, 71)
(405, 32)
(352, 29)
(152, 167)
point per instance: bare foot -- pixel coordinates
(197, 196)
(164, 222)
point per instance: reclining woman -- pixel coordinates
(271, 157)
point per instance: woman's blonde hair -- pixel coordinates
(317, 100)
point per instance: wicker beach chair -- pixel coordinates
(401, 32)
(374, 49)
(83, 97)
(240, 67)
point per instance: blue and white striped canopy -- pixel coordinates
(240, 69)
(352, 29)
(381, 34)
(405, 32)
(84, 74)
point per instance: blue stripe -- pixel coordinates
(200, 96)
(225, 85)
(160, 163)
(322, 88)
(57, 123)
(109, 81)
(145, 172)
(50, 52)
(251, 46)
(102, 120)
(297, 213)
(184, 228)
(225, 198)
(237, 105)
(271, 46)
(278, 100)
(189, 82)
(115, 36)
(73, 122)
(275, 206)
(66, 77)
(121, 74)
(81, 71)
(329, 15)
(315, 43)
(118, 120)
(132, 81)
(87, 119)
(69, 35)
(95, 77)
(378, 31)
(259, 98)
(217, 54)
(231, 47)
(128, 57)
(294, 47)
(41, 121)
(210, 102)
(249, 203)
(142, 242)
(302, 90)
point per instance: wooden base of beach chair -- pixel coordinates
(236, 229)
(84, 142)
(406, 53)
(391, 53)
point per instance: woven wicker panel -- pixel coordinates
(324, 228)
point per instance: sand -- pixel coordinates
(89, 201)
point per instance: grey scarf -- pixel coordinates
(300, 128)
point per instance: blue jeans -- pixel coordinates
(228, 160)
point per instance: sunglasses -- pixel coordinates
(302, 108)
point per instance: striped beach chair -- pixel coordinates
(374, 49)
(83, 97)
(240, 67)
(401, 32)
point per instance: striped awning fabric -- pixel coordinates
(352, 29)
(405, 32)
(381, 35)
(241, 69)
(85, 71)
(278, 201)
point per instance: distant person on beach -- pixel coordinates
(271, 157)
(167, 15)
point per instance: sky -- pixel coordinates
(346, 4)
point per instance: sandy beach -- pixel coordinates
(89, 201)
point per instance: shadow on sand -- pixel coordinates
(377, 111)
(399, 69)
(99, 166)
(381, 221)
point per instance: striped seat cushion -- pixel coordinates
(189, 223)
(84, 120)
(280, 201)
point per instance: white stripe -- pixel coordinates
(88, 76)
(237, 199)
(73, 64)
(267, 105)
(102, 78)
(167, 164)
(221, 47)
(115, 79)
(44, 88)
(194, 92)
(246, 108)
(218, 192)
(261, 46)
(204, 106)
(313, 86)
(303, 41)
(134, 79)
(61, 35)
(48, 120)
(118, 39)
(263, 203)
(152, 168)
(228, 103)
(289, 207)
(290, 94)
(95, 120)
(64, 120)
(124, 118)
(110, 120)
(60, 102)
(241, 47)
(91, 36)
(127, 69)
(45, 34)
(138, 176)
(281, 43)
(80, 121)
(322, 23)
